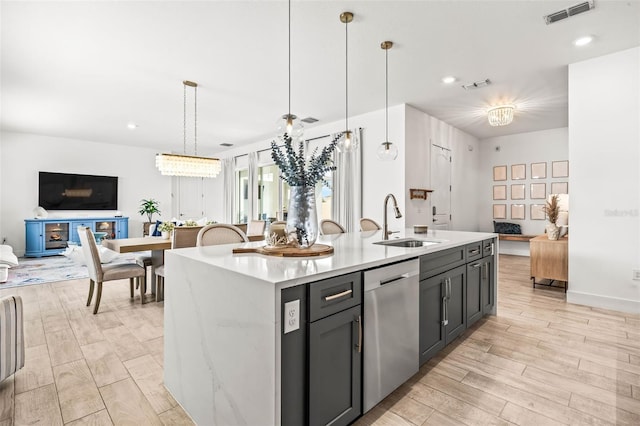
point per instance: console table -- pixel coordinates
(549, 260)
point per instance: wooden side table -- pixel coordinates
(549, 260)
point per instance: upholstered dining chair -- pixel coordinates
(183, 236)
(99, 274)
(328, 226)
(256, 227)
(220, 233)
(367, 224)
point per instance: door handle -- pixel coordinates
(445, 320)
(433, 210)
(359, 321)
(485, 271)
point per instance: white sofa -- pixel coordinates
(7, 260)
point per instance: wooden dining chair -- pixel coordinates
(328, 227)
(99, 274)
(183, 236)
(220, 233)
(367, 224)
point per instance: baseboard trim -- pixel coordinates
(605, 302)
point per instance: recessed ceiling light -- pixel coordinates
(583, 41)
(132, 126)
(449, 79)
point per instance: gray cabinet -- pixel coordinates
(321, 379)
(474, 291)
(488, 285)
(442, 310)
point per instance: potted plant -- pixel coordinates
(552, 209)
(149, 207)
(165, 228)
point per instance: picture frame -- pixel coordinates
(499, 173)
(537, 212)
(499, 211)
(517, 191)
(560, 169)
(538, 191)
(499, 192)
(538, 170)
(518, 211)
(518, 171)
(559, 187)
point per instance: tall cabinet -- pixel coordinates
(48, 237)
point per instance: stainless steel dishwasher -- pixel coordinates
(391, 341)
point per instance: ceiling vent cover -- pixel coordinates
(476, 84)
(226, 144)
(309, 120)
(571, 11)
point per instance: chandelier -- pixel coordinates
(500, 115)
(189, 165)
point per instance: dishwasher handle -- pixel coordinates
(390, 280)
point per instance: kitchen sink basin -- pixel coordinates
(407, 242)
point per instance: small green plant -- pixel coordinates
(166, 227)
(211, 222)
(149, 207)
(190, 223)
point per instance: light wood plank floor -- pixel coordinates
(539, 361)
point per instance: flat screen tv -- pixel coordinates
(64, 191)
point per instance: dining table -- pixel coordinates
(157, 246)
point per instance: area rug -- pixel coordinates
(52, 269)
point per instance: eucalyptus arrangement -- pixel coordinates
(301, 174)
(298, 171)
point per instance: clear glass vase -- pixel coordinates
(302, 217)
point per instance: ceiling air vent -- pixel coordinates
(476, 84)
(309, 120)
(226, 144)
(571, 11)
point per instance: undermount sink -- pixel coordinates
(407, 242)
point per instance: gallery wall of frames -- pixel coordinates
(520, 190)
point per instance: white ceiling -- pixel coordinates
(84, 69)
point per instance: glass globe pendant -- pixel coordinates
(387, 151)
(289, 124)
(348, 143)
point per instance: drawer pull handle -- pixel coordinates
(475, 265)
(474, 251)
(338, 295)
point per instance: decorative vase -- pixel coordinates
(553, 232)
(302, 217)
(165, 234)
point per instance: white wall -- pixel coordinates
(421, 131)
(24, 155)
(604, 153)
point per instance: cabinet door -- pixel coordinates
(335, 368)
(456, 303)
(74, 229)
(34, 238)
(488, 285)
(474, 291)
(432, 311)
(122, 228)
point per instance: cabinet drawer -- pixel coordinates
(474, 251)
(487, 247)
(441, 261)
(333, 295)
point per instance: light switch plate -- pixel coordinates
(291, 316)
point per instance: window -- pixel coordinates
(268, 192)
(241, 209)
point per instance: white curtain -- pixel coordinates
(347, 186)
(252, 208)
(228, 171)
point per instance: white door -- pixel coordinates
(189, 198)
(441, 185)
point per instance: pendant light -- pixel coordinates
(387, 151)
(348, 143)
(183, 164)
(289, 122)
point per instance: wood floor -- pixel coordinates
(539, 361)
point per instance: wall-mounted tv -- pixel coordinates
(64, 191)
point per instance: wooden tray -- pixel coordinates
(314, 250)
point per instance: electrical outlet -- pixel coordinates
(636, 275)
(291, 316)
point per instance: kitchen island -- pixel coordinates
(223, 339)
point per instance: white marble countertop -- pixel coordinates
(352, 252)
